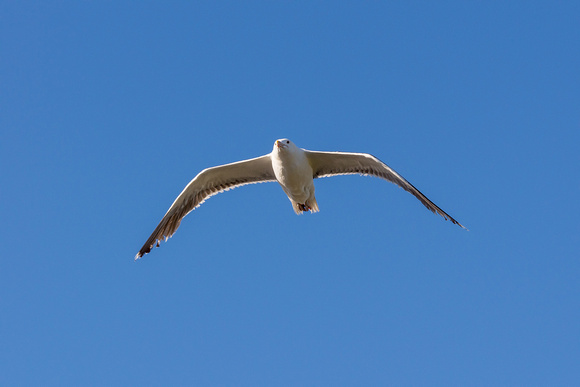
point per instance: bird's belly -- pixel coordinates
(296, 181)
(298, 190)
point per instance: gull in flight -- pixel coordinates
(293, 168)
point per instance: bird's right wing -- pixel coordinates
(207, 183)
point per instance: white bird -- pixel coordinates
(293, 168)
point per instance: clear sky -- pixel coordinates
(108, 109)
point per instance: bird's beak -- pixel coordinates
(278, 144)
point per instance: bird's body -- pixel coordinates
(293, 168)
(294, 173)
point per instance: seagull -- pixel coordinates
(293, 168)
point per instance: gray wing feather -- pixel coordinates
(341, 163)
(207, 183)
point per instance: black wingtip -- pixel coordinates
(457, 223)
(144, 250)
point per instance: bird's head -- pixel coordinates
(284, 144)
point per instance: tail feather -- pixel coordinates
(296, 207)
(310, 204)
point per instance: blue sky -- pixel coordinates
(108, 109)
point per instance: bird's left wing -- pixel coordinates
(341, 163)
(207, 183)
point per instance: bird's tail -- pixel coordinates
(310, 205)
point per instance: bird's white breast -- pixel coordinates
(294, 173)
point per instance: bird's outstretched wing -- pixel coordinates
(341, 163)
(207, 183)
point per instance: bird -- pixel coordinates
(293, 168)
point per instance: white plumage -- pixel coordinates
(293, 168)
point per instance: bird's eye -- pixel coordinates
(287, 142)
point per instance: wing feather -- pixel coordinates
(341, 163)
(207, 183)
